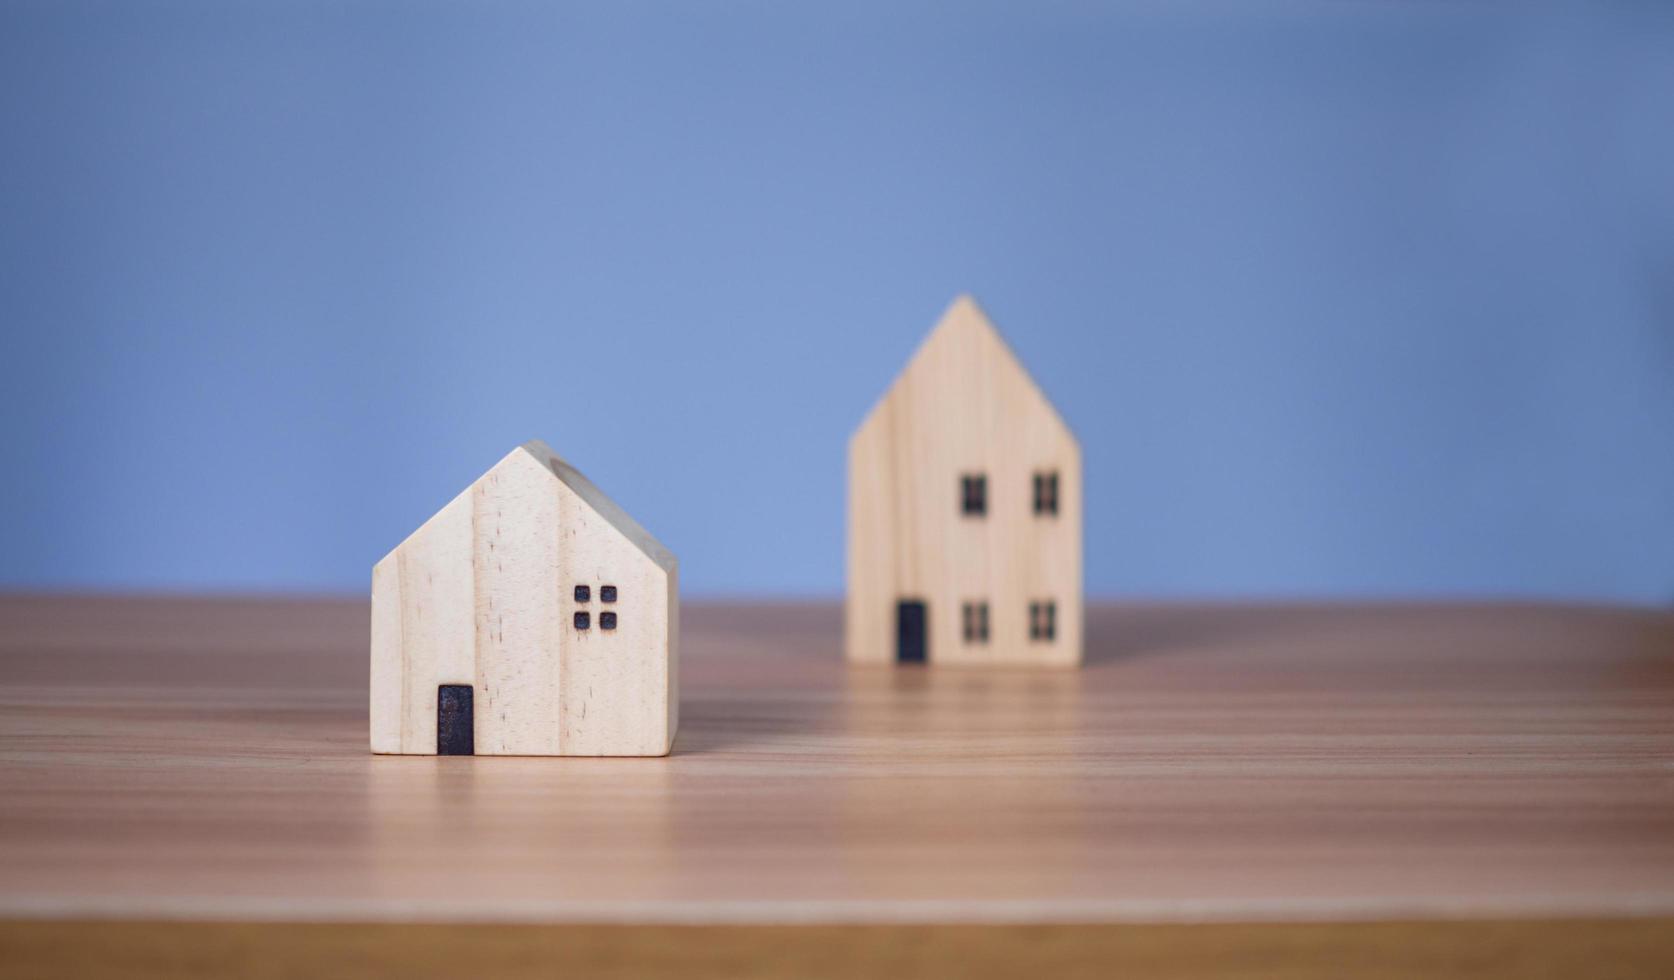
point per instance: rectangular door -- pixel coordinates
(911, 632)
(455, 723)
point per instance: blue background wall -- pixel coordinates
(1341, 298)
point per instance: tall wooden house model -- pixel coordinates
(530, 616)
(964, 512)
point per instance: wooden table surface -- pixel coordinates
(188, 760)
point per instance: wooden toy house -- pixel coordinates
(530, 616)
(964, 511)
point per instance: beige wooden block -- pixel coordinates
(485, 595)
(1001, 586)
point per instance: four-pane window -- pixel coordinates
(976, 622)
(1046, 492)
(973, 494)
(1043, 620)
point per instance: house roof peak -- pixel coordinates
(595, 498)
(964, 328)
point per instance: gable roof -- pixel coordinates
(538, 452)
(602, 505)
(965, 323)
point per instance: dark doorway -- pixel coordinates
(911, 632)
(455, 726)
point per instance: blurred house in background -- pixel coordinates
(964, 511)
(1344, 299)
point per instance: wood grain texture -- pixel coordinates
(484, 595)
(1535, 949)
(187, 759)
(964, 405)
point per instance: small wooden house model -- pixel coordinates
(530, 616)
(964, 511)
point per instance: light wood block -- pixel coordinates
(1000, 587)
(484, 595)
(1226, 790)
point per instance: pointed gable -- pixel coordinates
(964, 363)
(607, 509)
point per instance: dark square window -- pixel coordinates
(607, 620)
(607, 593)
(975, 622)
(1046, 492)
(583, 621)
(583, 593)
(973, 494)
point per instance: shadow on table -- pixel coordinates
(1119, 632)
(749, 720)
